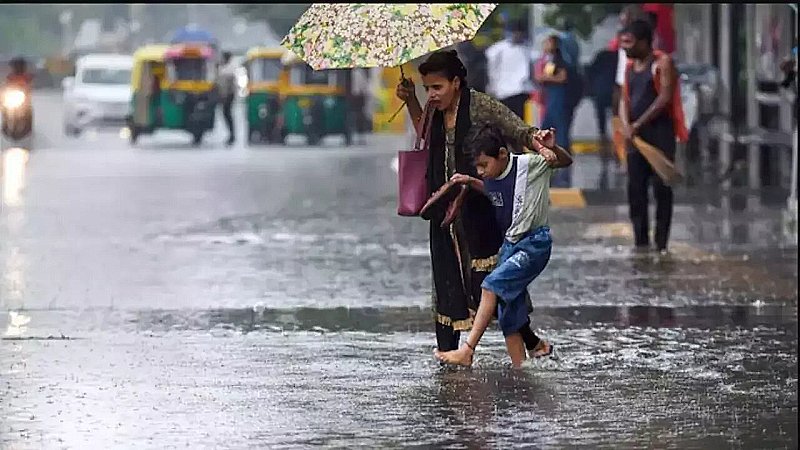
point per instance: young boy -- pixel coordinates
(519, 188)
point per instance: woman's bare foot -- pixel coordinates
(460, 357)
(543, 348)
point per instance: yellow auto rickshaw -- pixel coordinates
(314, 102)
(173, 88)
(266, 76)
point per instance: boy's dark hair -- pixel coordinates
(447, 63)
(486, 140)
(641, 30)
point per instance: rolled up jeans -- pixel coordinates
(517, 266)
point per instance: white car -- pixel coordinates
(99, 94)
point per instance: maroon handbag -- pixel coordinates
(412, 171)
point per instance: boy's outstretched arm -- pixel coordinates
(544, 142)
(563, 158)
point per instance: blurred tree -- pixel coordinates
(279, 16)
(34, 29)
(28, 29)
(584, 16)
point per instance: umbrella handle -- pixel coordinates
(403, 80)
(396, 113)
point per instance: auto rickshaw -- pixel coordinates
(266, 75)
(173, 88)
(314, 102)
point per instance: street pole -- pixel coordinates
(65, 19)
(727, 84)
(790, 214)
(753, 149)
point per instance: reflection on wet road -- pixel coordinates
(163, 296)
(690, 377)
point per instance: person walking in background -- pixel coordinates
(537, 96)
(571, 52)
(359, 91)
(553, 79)
(227, 93)
(509, 70)
(650, 108)
(570, 49)
(626, 16)
(601, 87)
(475, 62)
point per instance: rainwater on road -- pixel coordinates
(164, 296)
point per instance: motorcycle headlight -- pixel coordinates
(13, 98)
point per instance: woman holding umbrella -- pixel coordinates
(461, 253)
(390, 35)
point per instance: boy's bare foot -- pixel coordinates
(460, 357)
(543, 348)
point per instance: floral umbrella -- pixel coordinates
(349, 35)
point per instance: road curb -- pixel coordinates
(567, 198)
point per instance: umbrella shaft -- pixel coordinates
(396, 113)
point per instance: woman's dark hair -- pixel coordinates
(447, 63)
(556, 43)
(487, 140)
(641, 30)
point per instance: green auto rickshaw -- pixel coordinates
(314, 102)
(173, 88)
(266, 76)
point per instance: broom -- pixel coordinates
(663, 167)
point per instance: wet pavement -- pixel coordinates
(164, 296)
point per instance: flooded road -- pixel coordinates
(164, 296)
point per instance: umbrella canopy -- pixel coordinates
(187, 34)
(349, 35)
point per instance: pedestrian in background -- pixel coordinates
(509, 70)
(628, 14)
(650, 109)
(226, 83)
(360, 91)
(475, 62)
(601, 87)
(553, 79)
(571, 52)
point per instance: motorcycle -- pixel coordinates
(16, 115)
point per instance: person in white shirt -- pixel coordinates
(508, 64)
(227, 92)
(360, 91)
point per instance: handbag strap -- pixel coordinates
(423, 137)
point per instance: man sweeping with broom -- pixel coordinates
(652, 120)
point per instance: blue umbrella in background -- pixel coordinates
(194, 35)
